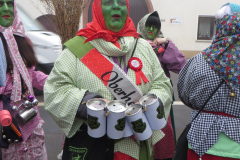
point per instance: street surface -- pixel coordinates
(54, 136)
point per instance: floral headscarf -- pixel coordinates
(223, 55)
(18, 65)
(141, 28)
(97, 29)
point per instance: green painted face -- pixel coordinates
(115, 14)
(6, 12)
(151, 32)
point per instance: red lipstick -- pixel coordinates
(6, 16)
(116, 16)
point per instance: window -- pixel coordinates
(206, 27)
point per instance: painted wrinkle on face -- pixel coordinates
(6, 12)
(115, 14)
(151, 32)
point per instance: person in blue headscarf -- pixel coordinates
(3, 65)
(212, 79)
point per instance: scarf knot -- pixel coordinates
(103, 34)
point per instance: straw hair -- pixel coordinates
(67, 16)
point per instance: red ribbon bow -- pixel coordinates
(136, 64)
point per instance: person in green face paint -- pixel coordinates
(171, 59)
(152, 30)
(20, 79)
(115, 14)
(109, 40)
(6, 12)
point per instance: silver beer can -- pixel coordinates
(26, 115)
(96, 110)
(154, 111)
(138, 122)
(116, 119)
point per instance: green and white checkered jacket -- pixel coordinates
(70, 79)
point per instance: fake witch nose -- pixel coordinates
(115, 5)
(5, 6)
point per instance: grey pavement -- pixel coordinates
(54, 135)
(181, 112)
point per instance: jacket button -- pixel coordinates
(232, 94)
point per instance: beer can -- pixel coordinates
(96, 117)
(26, 115)
(138, 122)
(154, 111)
(116, 119)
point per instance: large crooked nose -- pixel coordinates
(5, 7)
(115, 5)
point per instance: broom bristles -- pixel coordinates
(67, 16)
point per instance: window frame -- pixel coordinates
(212, 27)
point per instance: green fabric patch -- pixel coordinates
(77, 47)
(145, 152)
(224, 147)
(77, 153)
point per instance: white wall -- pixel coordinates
(185, 35)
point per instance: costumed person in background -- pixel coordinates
(171, 59)
(79, 75)
(212, 78)
(3, 65)
(22, 139)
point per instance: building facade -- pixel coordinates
(189, 23)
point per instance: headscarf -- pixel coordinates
(97, 29)
(234, 7)
(141, 28)
(227, 9)
(18, 65)
(223, 55)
